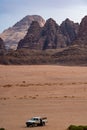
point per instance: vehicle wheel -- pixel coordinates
(27, 125)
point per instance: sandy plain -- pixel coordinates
(58, 92)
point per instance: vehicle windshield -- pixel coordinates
(35, 119)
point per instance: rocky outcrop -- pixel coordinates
(47, 37)
(77, 53)
(2, 47)
(14, 34)
(31, 39)
(82, 34)
(70, 30)
(52, 35)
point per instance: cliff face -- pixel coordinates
(82, 34)
(77, 53)
(70, 30)
(51, 36)
(14, 34)
(32, 37)
(2, 47)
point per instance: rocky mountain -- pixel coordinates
(2, 47)
(31, 37)
(70, 30)
(47, 37)
(50, 36)
(13, 35)
(82, 34)
(77, 53)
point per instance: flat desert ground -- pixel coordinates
(57, 92)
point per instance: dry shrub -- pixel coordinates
(74, 127)
(7, 86)
(2, 128)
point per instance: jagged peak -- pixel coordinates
(51, 21)
(67, 21)
(85, 17)
(84, 20)
(83, 28)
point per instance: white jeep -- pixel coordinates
(36, 121)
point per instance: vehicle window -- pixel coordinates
(35, 119)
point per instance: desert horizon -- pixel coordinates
(57, 92)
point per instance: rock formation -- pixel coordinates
(82, 34)
(47, 37)
(77, 53)
(2, 47)
(32, 37)
(52, 35)
(70, 30)
(14, 34)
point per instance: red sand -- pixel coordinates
(57, 92)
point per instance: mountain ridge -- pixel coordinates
(74, 54)
(51, 35)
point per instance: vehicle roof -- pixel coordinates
(36, 117)
(39, 117)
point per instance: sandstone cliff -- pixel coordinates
(50, 36)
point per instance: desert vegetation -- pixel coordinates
(2, 128)
(75, 127)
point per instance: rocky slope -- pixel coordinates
(2, 44)
(77, 53)
(14, 34)
(50, 36)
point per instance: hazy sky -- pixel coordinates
(12, 11)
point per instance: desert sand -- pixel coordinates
(58, 92)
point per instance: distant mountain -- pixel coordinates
(51, 44)
(13, 35)
(50, 36)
